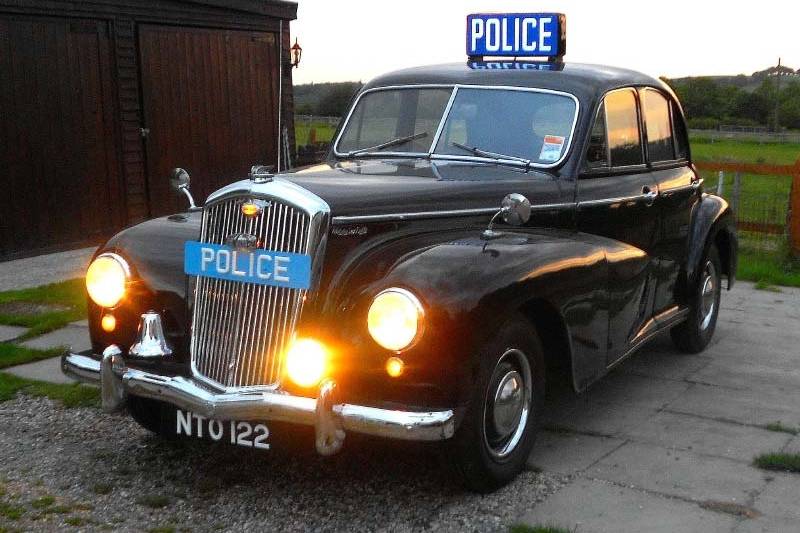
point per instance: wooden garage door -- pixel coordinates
(58, 162)
(210, 100)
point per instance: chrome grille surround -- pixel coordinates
(240, 330)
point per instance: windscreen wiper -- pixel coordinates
(388, 144)
(491, 155)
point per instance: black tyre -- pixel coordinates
(693, 335)
(147, 413)
(499, 428)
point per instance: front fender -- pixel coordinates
(469, 286)
(712, 221)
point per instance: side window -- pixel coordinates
(597, 155)
(659, 128)
(622, 122)
(679, 131)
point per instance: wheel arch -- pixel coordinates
(552, 330)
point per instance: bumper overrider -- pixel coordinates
(330, 418)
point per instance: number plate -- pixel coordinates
(229, 431)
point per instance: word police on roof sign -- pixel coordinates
(516, 34)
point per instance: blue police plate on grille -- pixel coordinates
(516, 34)
(264, 267)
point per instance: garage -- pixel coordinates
(98, 101)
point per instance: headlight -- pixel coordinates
(106, 279)
(395, 319)
(306, 362)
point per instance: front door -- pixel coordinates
(616, 199)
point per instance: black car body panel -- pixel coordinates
(597, 253)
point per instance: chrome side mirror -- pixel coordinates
(179, 180)
(515, 210)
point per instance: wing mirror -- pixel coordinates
(515, 210)
(179, 180)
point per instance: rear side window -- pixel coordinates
(597, 155)
(659, 127)
(622, 124)
(679, 130)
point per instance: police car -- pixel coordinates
(474, 225)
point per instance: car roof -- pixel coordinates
(583, 80)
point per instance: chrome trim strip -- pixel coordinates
(191, 395)
(611, 201)
(398, 217)
(446, 112)
(654, 326)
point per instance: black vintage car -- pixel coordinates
(470, 226)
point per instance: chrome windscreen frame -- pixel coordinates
(286, 192)
(445, 114)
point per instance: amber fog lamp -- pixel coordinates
(108, 323)
(395, 367)
(251, 209)
(395, 319)
(306, 362)
(106, 279)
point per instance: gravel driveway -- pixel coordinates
(82, 469)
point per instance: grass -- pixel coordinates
(102, 488)
(780, 428)
(75, 521)
(524, 528)
(12, 354)
(302, 132)
(10, 511)
(71, 395)
(746, 151)
(43, 503)
(69, 295)
(768, 269)
(154, 501)
(782, 462)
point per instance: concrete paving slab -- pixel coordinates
(761, 376)
(748, 407)
(793, 447)
(80, 323)
(45, 370)
(708, 437)
(641, 391)
(74, 336)
(567, 453)
(594, 506)
(679, 473)
(44, 269)
(781, 499)
(767, 524)
(10, 332)
(597, 418)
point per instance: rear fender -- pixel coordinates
(712, 222)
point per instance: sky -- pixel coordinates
(355, 40)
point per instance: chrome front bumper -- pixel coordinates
(330, 418)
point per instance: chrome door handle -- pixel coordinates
(649, 195)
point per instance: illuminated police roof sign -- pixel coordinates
(517, 35)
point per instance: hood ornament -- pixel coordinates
(261, 173)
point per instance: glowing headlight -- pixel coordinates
(394, 319)
(306, 362)
(106, 279)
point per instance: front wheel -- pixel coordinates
(693, 335)
(499, 428)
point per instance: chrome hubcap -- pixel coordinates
(507, 405)
(708, 295)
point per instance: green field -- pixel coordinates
(302, 132)
(704, 149)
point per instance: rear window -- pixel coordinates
(659, 130)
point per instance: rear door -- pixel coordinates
(668, 158)
(616, 196)
(210, 105)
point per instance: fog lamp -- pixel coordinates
(106, 279)
(394, 319)
(108, 323)
(395, 367)
(306, 362)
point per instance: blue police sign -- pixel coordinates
(516, 34)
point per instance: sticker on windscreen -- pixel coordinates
(551, 148)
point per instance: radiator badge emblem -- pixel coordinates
(242, 241)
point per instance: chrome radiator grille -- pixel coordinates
(240, 330)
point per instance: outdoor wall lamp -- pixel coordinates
(296, 51)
